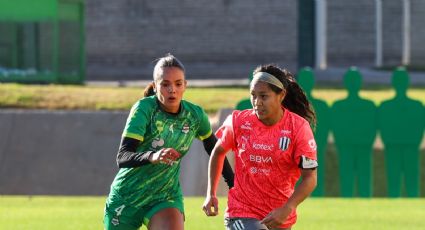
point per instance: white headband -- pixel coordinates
(266, 77)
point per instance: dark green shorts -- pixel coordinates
(120, 216)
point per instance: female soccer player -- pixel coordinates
(159, 131)
(273, 145)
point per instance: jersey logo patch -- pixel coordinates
(284, 143)
(185, 128)
(115, 221)
(307, 163)
(157, 143)
(159, 126)
(287, 132)
(312, 144)
(247, 125)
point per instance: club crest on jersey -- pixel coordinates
(284, 143)
(185, 128)
(115, 221)
(159, 126)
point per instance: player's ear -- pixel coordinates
(154, 87)
(282, 95)
(185, 85)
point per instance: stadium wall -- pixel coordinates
(214, 39)
(227, 38)
(73, 153)
(350, 33)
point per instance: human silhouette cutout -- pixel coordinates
(354, 128)
(401, 125)
(307, 81)
(246, 102)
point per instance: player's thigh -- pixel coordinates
(157, 208)
(167, 219)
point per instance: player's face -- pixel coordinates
(170, 89)
(266, 103)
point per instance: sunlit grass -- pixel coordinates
(54, 97)
(86, 213)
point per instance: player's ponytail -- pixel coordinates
(295, 99)
(297, 102)
(149, 90)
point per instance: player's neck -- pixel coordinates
(273, 120)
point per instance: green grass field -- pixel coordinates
(54, 212)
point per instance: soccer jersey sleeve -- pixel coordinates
(136, 122)
(225, 134)
(204, 130)
(305, 148)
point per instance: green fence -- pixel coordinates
(42, 41)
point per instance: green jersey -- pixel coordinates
(156, 129)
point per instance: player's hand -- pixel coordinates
(167, 156)
(276, 217)
(210, 206)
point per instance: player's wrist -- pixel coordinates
(212, 194)
(291, 207)
(151, 157)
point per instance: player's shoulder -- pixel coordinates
(143, 106)
(145, 102)
(296, 120)
(193, 108)
(243, 115)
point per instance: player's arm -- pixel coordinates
(304, 188)
(128, 157)
(215, 166)
(227, 172)
(278, 216)
(133, 135)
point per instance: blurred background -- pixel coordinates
(119, 40)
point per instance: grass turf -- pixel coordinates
(57, 212)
